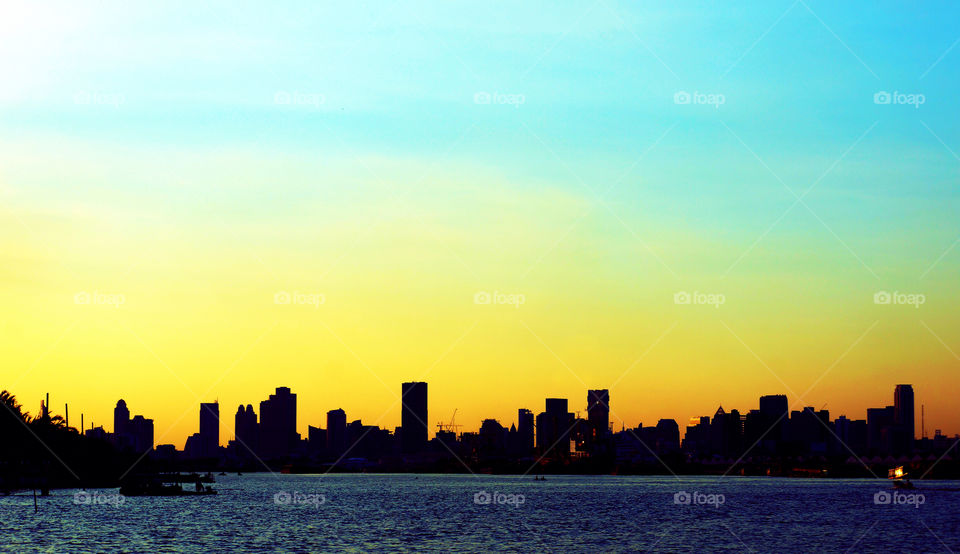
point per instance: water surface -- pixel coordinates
(465, 513)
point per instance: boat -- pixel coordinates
(899, 478)
(164, 485)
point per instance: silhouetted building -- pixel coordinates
(96, 433)
(598, 413)
(903, 419)
(696, 438)
(525, 432)
(121, 419)
(809, 431)
(553, 429)
(413, 417)
(668, 436)
(336, 432)
(209, 429)
(772, 423)
(134, 434)
(367, 442)
(879, 424)
(316, 441)
(726, 433)
(493, 438)
(192, 448)
(140, 431)
(851, 435)
(278, 424)
(247, 432)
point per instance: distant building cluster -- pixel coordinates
(128, 434)
(556, 435)
(775, 430)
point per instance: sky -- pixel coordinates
(691, 205)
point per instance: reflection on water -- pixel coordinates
(443, 513)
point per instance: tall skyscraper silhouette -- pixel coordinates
(553, 428)
(278, 424)
(773, 422)
(598, 412)
(247, 431)
(336, 432)
(136, 433)
(525, 430)
(413, 417)
(903, 418)
(121, 419)
(209, 429)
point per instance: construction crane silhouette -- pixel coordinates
(449, 426)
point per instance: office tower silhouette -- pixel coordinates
(598, 413)
(553, 428)
(336, 432)
(247, 431)
(668, 436)
(879, 425)
(278, 424)
(774, 410)
(525, 431)
(903, 418)
(121, 419)
(413, 417)
(135, 434)
(140, 431)
(209, 429)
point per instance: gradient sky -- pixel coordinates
(193, 162)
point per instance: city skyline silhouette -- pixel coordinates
(273, 433)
